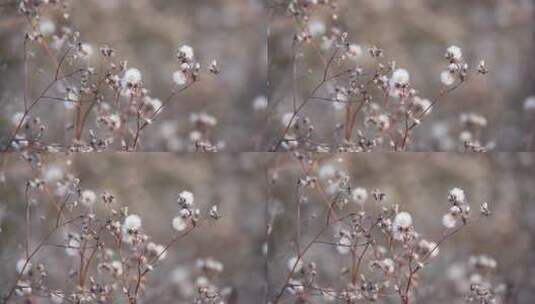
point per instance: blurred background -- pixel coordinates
(416, 33)
(148, 33)
(249, 188)
(419, 183)
(148, 184)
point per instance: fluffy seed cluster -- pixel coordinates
(378, 235)
(106, 104)
(459, 210)
(106, 249)
(187, 215)
(375, 105)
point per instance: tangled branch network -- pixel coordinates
(106, 105)
(376, 107)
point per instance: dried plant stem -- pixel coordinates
(32, 104)
(300, 255)
(32, 254)
(169, 99)
(441, 95)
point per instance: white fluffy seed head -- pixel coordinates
(316, 28)
(179, 224)
(482, 261)
(286, 119)
(179, 78)
(186, 198)
(88, 198)
(23, 267)
(132, 222)
(354, 51)
(359, 195)
(47, 27)
(456, 195)
(17, 118)
(260, 103)
(429, 247)
(292, 262)
(132, 76)
(73, 245)
(186, 52)
(529, 104)
(449, 221)
(152, 103)
(326, 171)
(454, 53)
(447, 78)
(422, 104)
(85, 50)
(383, 122)
(52, 174)
(401, 76)
(158, 250)
(388, 265)
(117, 267)
(403, 220)
(344, 245)
(114, 121)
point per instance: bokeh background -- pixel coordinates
(253, 189)
(416, 33)
(148, 184)
(419, 183)
(148, 33)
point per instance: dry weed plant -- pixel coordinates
(375, 105)
(107, 254)
(382, 255)
(375, 102)
(107, 106)
(333, 241)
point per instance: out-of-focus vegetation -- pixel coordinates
(148, 34)
(419, 183)
(148, 185)
(415, 34)
(252, 190)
